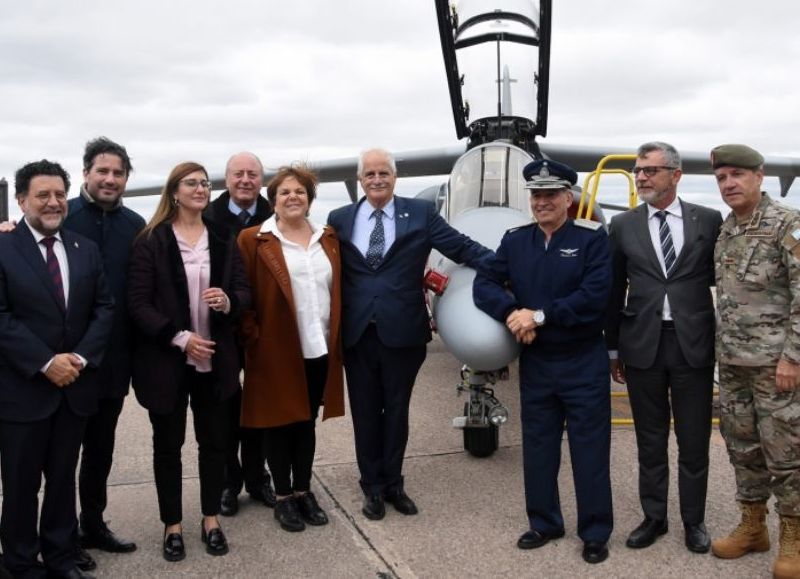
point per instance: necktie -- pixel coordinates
(376, 240)
(54, 270)
(244, 217)
(667, 248)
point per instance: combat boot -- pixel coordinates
(749, 536)
(787, 565)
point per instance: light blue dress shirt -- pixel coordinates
(365, 223)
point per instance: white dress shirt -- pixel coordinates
(311, 278)
(675, 222)
(365, 223)
(61, 256)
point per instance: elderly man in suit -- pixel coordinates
(56, 314)
(660, 336)
(385, 242)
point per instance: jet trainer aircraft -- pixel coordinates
(497, 61)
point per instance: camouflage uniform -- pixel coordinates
(758, 308)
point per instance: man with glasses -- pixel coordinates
(758, 349)
(56, 316)
(660, 337)
(242, 205)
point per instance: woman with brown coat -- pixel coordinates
(293, 358)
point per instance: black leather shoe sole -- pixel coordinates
(640, 540)
(534, 539)
(84, 560)
(594, 553)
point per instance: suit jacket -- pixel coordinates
(219, 213)
(391, 295)
(33, 327)
(158, 300)
(634, 324)
(275, 388)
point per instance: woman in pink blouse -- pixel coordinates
(186, 289)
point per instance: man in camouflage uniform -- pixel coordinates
(758, 348)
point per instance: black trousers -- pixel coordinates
(96, 460)
(672, 382)
(29, 450)
(290, 448)
(379, 384)
(249, 473)
(169, 432)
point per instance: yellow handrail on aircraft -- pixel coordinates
(593, 179)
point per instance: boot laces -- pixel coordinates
(790, 537)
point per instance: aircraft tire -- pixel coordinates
(481, 441)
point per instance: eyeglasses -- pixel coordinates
(193, 183)
(650, 171)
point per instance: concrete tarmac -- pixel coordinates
(471, 510)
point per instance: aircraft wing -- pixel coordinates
(440, 161)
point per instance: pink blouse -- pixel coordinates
(197, 264)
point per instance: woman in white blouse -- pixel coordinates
(293, 359)
(186, 289)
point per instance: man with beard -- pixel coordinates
(660, 336)
(241, 205)
(56, 315)
(98, 213)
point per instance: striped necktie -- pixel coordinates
(667, 247)
(54, 270)
(377, 241)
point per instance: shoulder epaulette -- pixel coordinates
(588, 224)
(513, 229)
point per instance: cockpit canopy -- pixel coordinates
(489, 175)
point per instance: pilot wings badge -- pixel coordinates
(569, 252)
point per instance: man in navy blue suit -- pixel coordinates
(55, 320)
(385, 242)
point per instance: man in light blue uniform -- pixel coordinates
(558, 271)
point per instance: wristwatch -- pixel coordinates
(538, 317)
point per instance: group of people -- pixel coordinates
(639, 302)
(92, 298)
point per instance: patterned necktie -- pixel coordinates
(667, 248)
(54, 270)
(244, 217)
(376, 241)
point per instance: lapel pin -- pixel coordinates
(76, 244)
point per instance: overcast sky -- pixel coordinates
(177, 79)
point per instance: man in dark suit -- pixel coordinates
(56, 314)
(661, 338)
(241, 205)
(385, 242)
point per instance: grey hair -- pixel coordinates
(243, 154)
(384, 152)
(671, 155)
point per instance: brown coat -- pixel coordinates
(275, 391)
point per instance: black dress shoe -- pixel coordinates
(264, 494)
(374, 508)
(310, 510)
(646, 534)
(402, 502)
(534, 539)
(288, 515)
(595, 551)
(104, 539)
(215, 541)
(173, 547)
(228, 503)
(697, 539)
(83, 560)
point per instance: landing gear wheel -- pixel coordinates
(481, 441)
